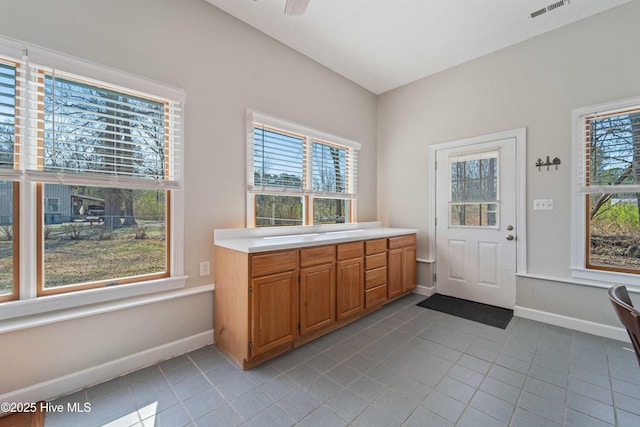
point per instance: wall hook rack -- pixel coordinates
(555, 162)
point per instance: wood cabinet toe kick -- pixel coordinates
(267, 303)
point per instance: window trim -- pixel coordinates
(579, 233)
(26, 299)
(15, 293)
(310, 136)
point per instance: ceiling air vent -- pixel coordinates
(539, 12)
(548, 8)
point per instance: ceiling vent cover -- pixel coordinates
(549, 8)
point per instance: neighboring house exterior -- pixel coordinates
(6, 202)
(59, 204)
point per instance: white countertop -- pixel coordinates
(278, 238)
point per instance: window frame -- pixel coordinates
(580, 234)
(13, 175)
(15, 255)
(29, 201)
(310, 136)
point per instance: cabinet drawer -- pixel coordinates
(373, 278)
(402, 241)
(375, 261)
(350, 250)
(317, 255)
(375, 246)
(375, 296)
(273, 262)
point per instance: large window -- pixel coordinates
(99, 154)
(607, 152)
(298, 176)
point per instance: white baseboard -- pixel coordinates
(425, 290)
(580, 325)
(78, 380)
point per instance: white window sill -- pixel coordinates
(59, 302)
(586, 281)
(92, 310)
(607, 278)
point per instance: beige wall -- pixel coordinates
(535, 85)
(225, 67)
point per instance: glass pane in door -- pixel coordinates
(473, 196)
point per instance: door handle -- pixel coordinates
(510, 237)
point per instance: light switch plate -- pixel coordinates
(543, 205)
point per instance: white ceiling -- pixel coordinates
(384, 44)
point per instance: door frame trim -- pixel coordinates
(520, 135)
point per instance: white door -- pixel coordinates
(476, 221)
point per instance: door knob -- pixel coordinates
(510, 237)
(509, 227)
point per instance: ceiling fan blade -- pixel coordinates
(296, 7)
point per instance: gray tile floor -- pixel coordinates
(403, 365)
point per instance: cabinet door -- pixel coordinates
(408, 268)
(274, 311)
(317, 297)
(349, 287)
(394, 270)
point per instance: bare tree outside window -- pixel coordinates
(614, 217)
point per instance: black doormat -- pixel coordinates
(478, 312)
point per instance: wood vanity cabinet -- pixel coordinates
(274, 295)
(401, 259)
(255, 304)
(375, 283)
(267, 303)
(317, 288)
(350, 275)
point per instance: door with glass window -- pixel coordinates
(475, 222)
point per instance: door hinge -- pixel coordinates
(250, 290)
(436, 221)
(298, 279)
(434, 277)
(435, 165)
(250, 346)
(298, 327)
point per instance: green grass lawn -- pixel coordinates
(93, 257)
(6, 266)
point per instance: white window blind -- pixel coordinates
(334, 170)
(611, 151)
(88, 132)
(11, 106)
(278, 160)
(288, 158)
